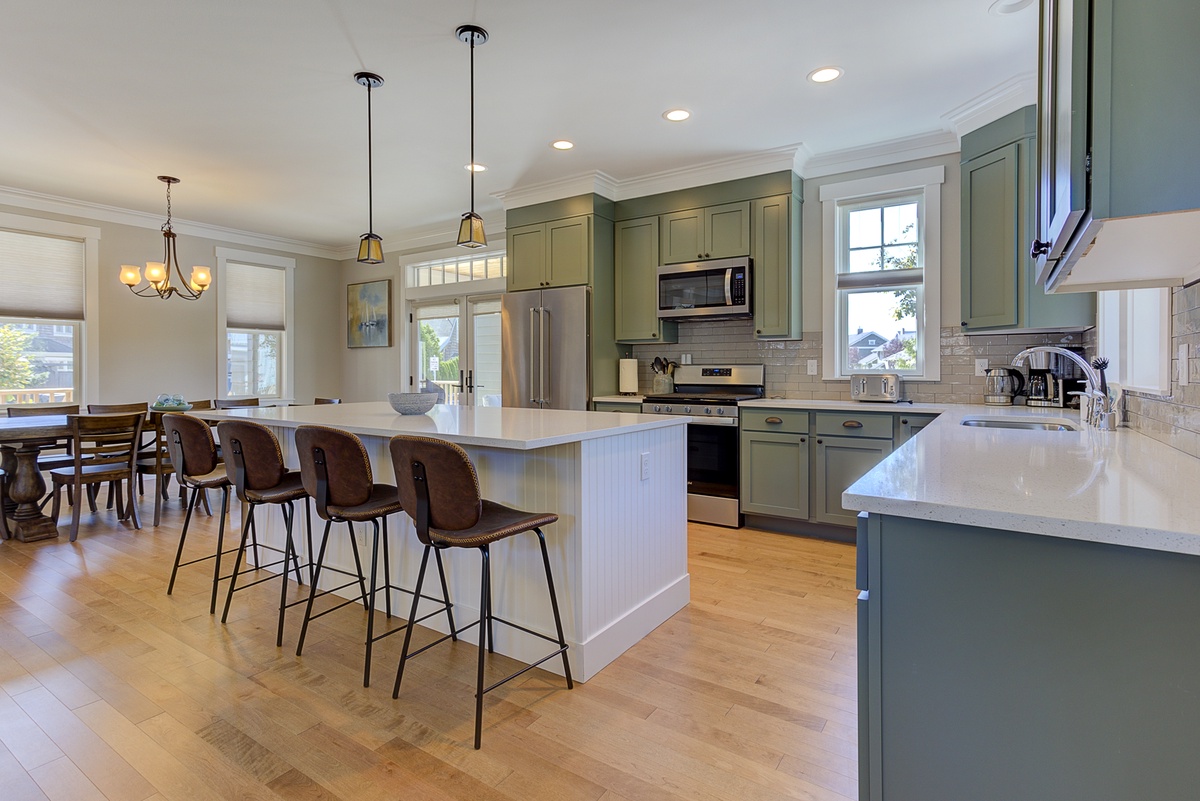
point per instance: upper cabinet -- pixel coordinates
(775, 275)
(550, 254)
(715, 232)
(999, 278)
(1119, 184)
(635, 256)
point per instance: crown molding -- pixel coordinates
(51, 204)
(910, 148)
(1005, 98)
(585, 184)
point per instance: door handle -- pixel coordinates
(775, 420)
(470, 381)
(852, 424)
(542, 356)
(532, 361)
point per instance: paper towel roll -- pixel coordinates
(627, 379)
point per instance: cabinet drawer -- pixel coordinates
(790, 421)
(854, 425)
(617, 406)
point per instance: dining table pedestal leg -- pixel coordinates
(26, 489)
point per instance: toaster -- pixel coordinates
(875, 387)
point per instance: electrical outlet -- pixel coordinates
(981, 366)
(812, 366)
(1183, 365)
(645, 466)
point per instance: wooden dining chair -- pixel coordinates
(234, 403)
(58, 455)
(104, 448)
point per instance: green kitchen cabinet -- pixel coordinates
(630, 407)
(635, 249)
(713, 232)
(909, 425)
(999, 277)
(774, 463)
(550, 254)
(858, 443)
(775, 274)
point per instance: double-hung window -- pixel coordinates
(881, 275)
(42, 309)
(257, 320)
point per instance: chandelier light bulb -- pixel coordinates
(131, 275)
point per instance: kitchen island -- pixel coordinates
(1026, 615)
(618, 550)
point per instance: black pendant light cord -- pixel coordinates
(472, 124)
(370, 169)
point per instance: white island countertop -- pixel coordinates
(493, 426)
(1118, 487)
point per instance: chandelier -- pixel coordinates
(158, 273)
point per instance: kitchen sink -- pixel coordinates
(1026, 424)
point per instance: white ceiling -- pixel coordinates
(252, 103)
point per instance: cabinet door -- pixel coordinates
(526, 257)
(636, 262)
(727, 230)
(568, 251)
(633, 407)
(771, 275)
(682, 234)
(991, 255)
(908, 425)
(840, 462)
(774, 474)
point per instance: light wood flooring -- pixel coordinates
(110, 689)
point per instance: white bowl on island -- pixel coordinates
(412, 402)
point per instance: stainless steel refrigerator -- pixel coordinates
(547, 348)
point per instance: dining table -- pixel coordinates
(21, 439)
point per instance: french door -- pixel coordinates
(456, 349)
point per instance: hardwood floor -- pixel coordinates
(113, 690)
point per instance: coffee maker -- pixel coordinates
(1044, 388)
(1052, 379)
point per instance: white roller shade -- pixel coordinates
(41, 276)
(255, 297)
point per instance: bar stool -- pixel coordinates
(254, 465)
(337, 474)
(439, 489)
(194, 455)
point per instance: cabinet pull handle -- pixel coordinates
(903, 421)
(1038, 248)
(851, 424)
(820, 442)
(775, 420)
(804, 439)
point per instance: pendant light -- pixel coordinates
(370, 247)
(470, 230)
(158, 273)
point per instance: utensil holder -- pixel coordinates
(663, 385)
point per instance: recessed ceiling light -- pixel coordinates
(474, 167)
(562, 144)
(1008, 6)
(676, 114)
(825, 74)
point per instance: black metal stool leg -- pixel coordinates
(387, 573)
(554, 606)
(187, 519)
(312, 590)
(288, 551)
(485, 592)
(309, 552)
(371, 599)
(491, 641)
(212, 602)
(445, 593)
(237, 562)
(289, 518)
(412, 616)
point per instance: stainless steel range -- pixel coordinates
(709, 394)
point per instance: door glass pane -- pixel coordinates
(437, 338)
(485, 352)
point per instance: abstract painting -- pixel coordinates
(369, 314)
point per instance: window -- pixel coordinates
(1133, 333)
(882, 258)
(257, 300)
(457, 270)
(42, 309)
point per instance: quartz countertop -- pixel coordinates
(849, 405)
(1118, 487)
(497, 427)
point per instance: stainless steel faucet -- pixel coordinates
(1100, 411)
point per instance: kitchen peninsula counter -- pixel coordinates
(618, 551)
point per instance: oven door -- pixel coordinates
(712, 473)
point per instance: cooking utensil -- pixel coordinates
(659, 365)
(671, 368)
(1101, 364)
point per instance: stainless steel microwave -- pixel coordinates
(720, 288)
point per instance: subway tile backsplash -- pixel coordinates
(786, 361)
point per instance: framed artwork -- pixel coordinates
(369, 314)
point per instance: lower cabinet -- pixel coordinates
(774, 474)
(908, 425)
(632, 407)
(840, 461)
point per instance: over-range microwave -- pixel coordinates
(720, 289)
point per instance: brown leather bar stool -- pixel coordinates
(194, 455)
(337, 474)
(254, 465)
(439, 489)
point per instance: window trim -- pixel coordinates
(1118, 317)
(87, 382)
(287, 386)
(926, 181)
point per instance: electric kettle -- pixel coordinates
(1002, 385)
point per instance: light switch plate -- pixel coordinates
(812, 366)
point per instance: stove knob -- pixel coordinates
(657, 408)
(720, 411)
(687, 409)
(707, 410)
(666, 410)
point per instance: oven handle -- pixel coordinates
(728, 286)
(713, 421)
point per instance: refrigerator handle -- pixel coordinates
(543, 366)
(532, 361)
